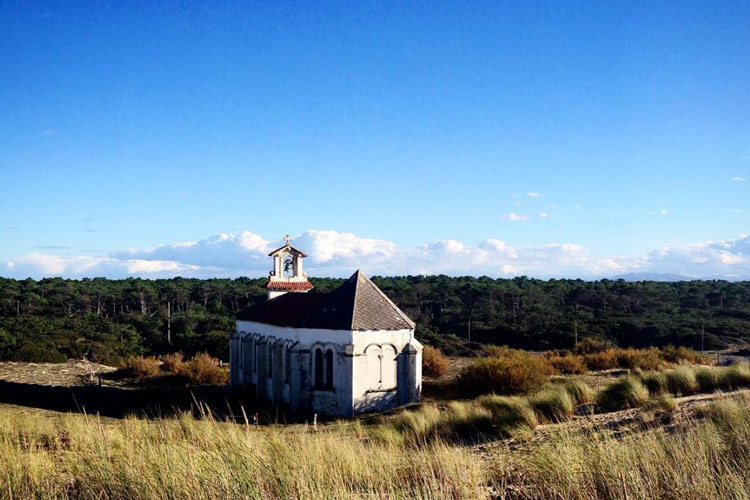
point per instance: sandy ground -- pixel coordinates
(69, 374)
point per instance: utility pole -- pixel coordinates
(703, 333)
(169, 322)
(575, 325)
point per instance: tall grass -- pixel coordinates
(89, 458)
(79, 457)
(707, 461)
(625, 392)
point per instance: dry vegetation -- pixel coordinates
(549, 438)
(410, 455)
(200, 370)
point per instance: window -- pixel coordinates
(288, 364)
(381, 367)
(270, 360)
(318, 368)
(329, 369)
(240, 351)
(256, 348)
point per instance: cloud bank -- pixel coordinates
(337, 254)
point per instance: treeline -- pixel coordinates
(106, 320)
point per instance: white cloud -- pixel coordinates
(332, 253)
(516, 217)
(738, 179)
(543, 215)
(663, 211)
(534, 194)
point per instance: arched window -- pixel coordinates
(318, 367)
(288, 364)
(329, 369)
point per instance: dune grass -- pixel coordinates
(90, 458)
(707, 461)
(625, 392)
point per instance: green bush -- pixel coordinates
(625, 392)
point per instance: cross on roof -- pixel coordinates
(287, 239)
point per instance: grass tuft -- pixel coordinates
(681, 381)
(553, 405)
(625, 392)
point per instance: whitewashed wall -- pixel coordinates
(373, 370)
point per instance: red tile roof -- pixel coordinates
(295, 286)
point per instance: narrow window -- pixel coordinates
(329, 369)
(257, 353)
(241, 351)
(288, 365)
(318, 367)
(270, 361)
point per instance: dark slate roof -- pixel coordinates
(358, 304)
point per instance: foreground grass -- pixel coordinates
(55, 456)
(708, 460)
(87, 458)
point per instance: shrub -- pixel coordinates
(203, 370)
(625, 392)
(571, 364)
(602, 360)
(645, 359)
(553, 405)
(139, 367)
(173, 362)
(434, 363)
(580, 391)
(681, 380)
(589, 346)
(512, 415)
(674, 354)
(656, 382)
(509, 372)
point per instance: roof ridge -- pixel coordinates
(355, 276)
(390, 302)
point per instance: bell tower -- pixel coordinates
(287, 275)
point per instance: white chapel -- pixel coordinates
(340, 353)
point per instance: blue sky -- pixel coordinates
(589, 138)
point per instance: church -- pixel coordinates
(340, 353)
